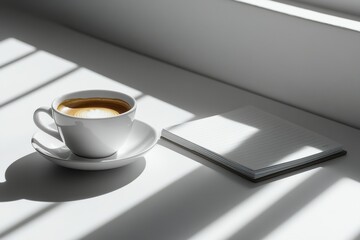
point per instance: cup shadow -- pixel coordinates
(33, 177)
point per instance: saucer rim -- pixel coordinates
(85, 160)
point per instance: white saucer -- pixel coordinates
(142, 138)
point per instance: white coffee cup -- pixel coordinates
(89, 137)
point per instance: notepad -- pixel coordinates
(254, 143)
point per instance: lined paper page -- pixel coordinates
(254, 138)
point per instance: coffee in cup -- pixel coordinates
(92, 124)
(93, 107)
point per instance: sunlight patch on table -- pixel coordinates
(231, 222)
(321, 217)
(12, 49)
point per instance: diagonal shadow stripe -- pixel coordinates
(28, 219)
(17, 59)
(38, 87)
(286, 207)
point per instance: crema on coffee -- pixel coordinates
(93, 107)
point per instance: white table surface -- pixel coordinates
(170, 194)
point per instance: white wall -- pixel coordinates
(306, 64)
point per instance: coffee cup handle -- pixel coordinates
(42, 126)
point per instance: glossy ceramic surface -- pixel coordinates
(89, 137)
(141, 139)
